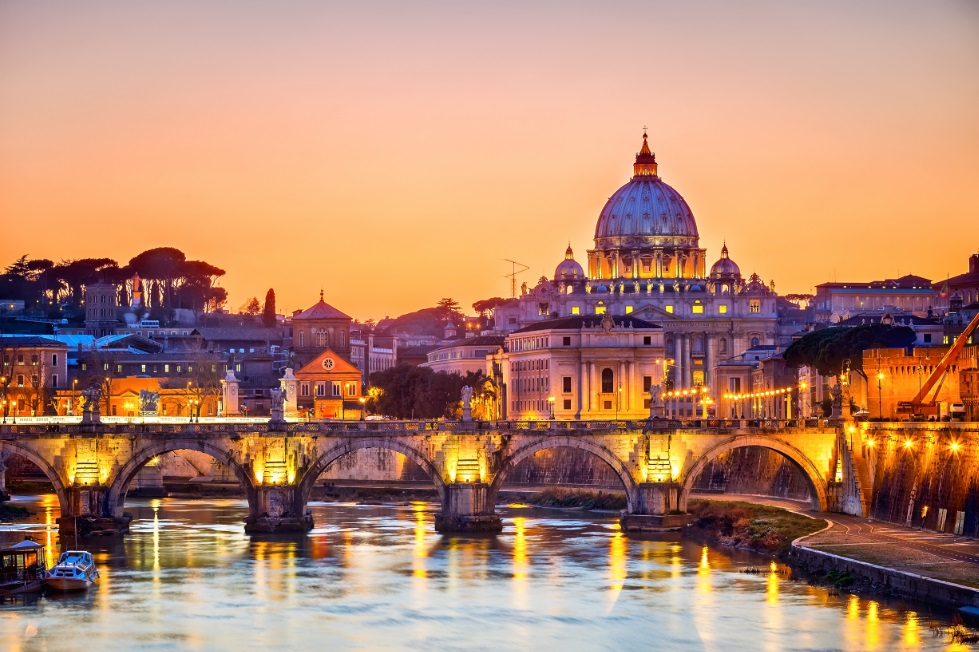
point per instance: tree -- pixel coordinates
(408, 392)
(251, 307)
(487, 307)
(826, 349)
(448, 310)
(268, 310)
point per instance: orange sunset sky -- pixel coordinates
(396, 153)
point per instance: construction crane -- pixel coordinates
(513, 276)
(918, 405)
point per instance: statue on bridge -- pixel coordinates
(147, 402)
(467, 395)
(655, 401)
(92, 405)
(278, 405)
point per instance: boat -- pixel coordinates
(22, 568)
(75, 571)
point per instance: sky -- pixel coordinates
(394, 153)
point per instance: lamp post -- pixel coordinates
(550, 401)
(880, 396)
(363, 401)
(4, 410)
(74, 386)
(13, 408)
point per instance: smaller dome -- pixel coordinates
(569, 269)
(725, 267)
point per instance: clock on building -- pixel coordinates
(328, 363)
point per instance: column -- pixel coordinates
(620, 384)
(467, 509)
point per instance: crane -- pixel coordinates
(937, 377)
(513, 276)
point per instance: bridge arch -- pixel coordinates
(536, 444)
(341, 448)
(815, 479)
(119, 482)
(50, 473)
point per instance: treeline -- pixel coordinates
(407, 392)
(168, 281)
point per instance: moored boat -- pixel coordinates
(75, 571)
(22, 568)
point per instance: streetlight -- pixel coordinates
(362, 402)
(13, 407)
(880, 397)
(190, 407)
(550, 401)
(74, 386)
(4, 410)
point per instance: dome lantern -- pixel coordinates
(645, 165)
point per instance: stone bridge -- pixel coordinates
(278, 463)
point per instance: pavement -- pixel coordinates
(931, 554)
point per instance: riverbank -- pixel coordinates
(749, 526)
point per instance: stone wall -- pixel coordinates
(931, 483)
(753, 471)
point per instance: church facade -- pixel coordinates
(647, 263)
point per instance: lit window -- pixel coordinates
(336, 388)
(669, 309)
(599, 310)
(722, 309)
(755, 305)
(142, 368)
(575, 310)
(697, 309)
(628, 310)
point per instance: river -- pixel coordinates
(379, 577)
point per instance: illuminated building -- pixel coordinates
(647, 263)
(329, 387)
(464, 355)
(592, 367)
(318, 328)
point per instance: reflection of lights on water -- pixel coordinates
(617, 563)
(155, 504)
(771, 588)
(520, 549)
(853, 608)
(873, 625)
(420, 552)
(911, 632)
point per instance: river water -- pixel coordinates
(380, 577)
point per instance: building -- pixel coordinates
(33, 368)
(911, 294)
(647, 262)
(582, 368)
(371, 353)
(318, 328)
(965, 285)
(101, 309)
(329, 387)
(464, 355)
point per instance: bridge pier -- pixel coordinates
(277, 509)
(85, 514)
(467, 508)
(655, 508)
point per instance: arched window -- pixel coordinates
(754, 342)
(322, 338)
(343, 338)
(608, 381)
(302, 338)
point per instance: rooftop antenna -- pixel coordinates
(513, 275)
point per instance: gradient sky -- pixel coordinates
(396, 153)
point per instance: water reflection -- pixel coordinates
(373, 577)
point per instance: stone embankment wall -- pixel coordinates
(931, 482)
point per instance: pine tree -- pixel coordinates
(268, 312)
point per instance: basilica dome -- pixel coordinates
(646, 211)
(569, 269)
(725, 267)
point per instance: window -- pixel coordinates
(54, 359)
(302, 338)
(20, 380)
(351, 389)
(166, 368)
(608, 381)
(304, 389)
(34, 359)
(754, 342)
(722, 309)
(142, 368)
(54, 381)
(735, 385)
(647, 382)
(628, 310)
(321, 389)
(927, 338)
(566, 384)
(566, 341)
(543, 309)
(755, 305)
(647, 340)
(669, 309)
(698, 378)
(84, 367)
(697, 308)
(336, 388)
(599, 310)
(567, 404)
(722, 345)
(575, 310)
(20, 358)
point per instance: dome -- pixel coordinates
(569, 269)
(647, 209)
(725, 267)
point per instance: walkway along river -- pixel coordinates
(370, 577)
